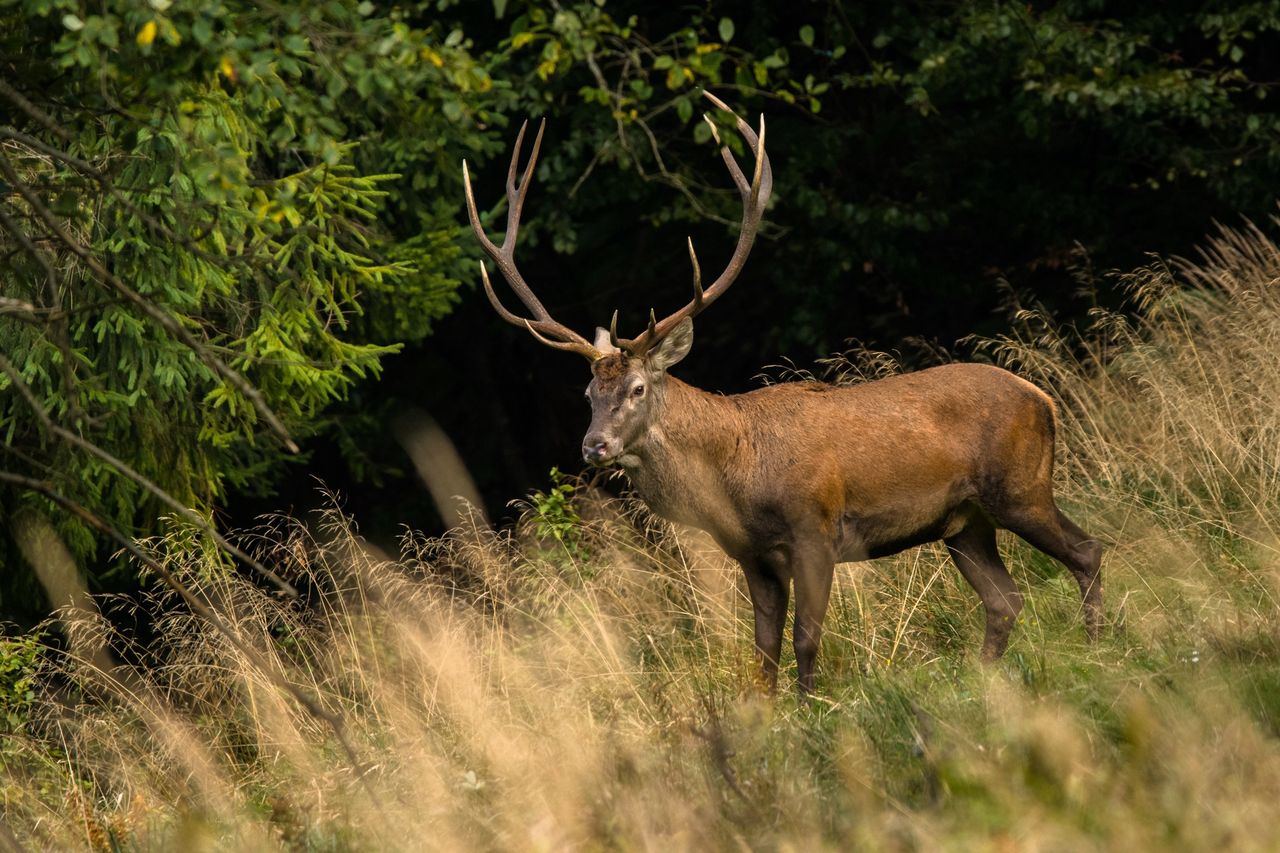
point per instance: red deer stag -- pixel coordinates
(792, 478)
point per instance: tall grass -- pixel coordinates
(595, 690)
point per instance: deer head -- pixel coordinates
(627, 391)
(628, 374)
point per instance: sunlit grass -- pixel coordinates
(506, 693)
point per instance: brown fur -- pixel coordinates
(792, 478)
(610, 367)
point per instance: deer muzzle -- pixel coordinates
(599, 450)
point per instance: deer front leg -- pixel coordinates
(813, 568)
(769, 601)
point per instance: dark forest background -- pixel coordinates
(227, 226)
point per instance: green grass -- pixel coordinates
(595, 689)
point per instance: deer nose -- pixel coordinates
(595, 450)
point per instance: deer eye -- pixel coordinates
(638, 391)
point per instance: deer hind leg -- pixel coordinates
(769, 595)
(974, 552)
(1043, 525)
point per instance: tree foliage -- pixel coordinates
(197, 205)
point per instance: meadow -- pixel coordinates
(585, 679)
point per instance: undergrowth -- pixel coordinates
(586, 680)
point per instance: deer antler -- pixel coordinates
(542, 325)
(755, 196)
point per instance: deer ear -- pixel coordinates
(603, 343)
(673, 347)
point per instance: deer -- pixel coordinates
(791, 478)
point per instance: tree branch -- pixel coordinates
(149, 308)
(124, 468)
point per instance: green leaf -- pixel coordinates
(72, 22)
(726, 29)
(499, 8)
(663, 62)
(806, 35)
(202, 30)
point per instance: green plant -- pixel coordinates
(556, 517)
(18, 661)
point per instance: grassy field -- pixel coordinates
(593, 689)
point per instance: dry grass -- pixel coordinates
(503, 693)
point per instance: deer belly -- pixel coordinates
(867, 536)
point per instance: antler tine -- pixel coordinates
(697, 277)
(504, 257)
(757, 184)
(755, 197)
(494, 301)
(515, 159)
(543, 326)
(762, 177)
(516, 193)
(581, 348)
(613, 331)
(735, 172)
(629, 346)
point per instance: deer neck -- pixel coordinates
(681, 467)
